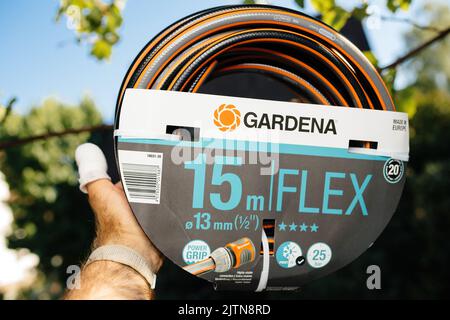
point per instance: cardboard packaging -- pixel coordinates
(255, 194)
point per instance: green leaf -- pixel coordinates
(391, 5)
(101, 49)
(323, 5)
(371, 57)
(360, 12)
(394, 5)
(113, 20)
(97, 19)
(94, 19)
(300, 3)
(406, 101)
(332, 14)
(404, 4)
(389, 79)
(111, 37)
(336, 17)
(249, 2)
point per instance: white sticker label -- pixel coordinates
(141, 175)
(147, 113)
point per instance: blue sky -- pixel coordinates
(39, 58)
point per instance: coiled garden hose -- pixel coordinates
(320, 65)
(317, 63)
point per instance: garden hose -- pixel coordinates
(315, 61)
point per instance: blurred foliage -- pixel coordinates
(53, 219)
(394, 5)
(432, 67)
(95, 22)
(331, 13)
(51, 216)
(6, 110)
(336, 16)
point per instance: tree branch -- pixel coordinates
(9, 107)
(19, 142)
(441, 35)
(410, 22)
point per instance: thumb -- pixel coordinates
(91, 164)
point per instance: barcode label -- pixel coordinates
(141, 175)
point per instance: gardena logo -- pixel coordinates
(290, 123)
(227, 117)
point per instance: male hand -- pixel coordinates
(115, 224)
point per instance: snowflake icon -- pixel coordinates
(290, 251)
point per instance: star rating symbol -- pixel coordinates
(303, 227)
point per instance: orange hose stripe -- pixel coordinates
(347, 56)
(296, 94)
(272, 40)
(327, 40)
(204, 77)
(142, 56)
(303, 65)
(359, 82)
(188, 53)
(282, 72)
(205, 20)
(315, 53)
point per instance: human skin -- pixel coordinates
(115, 224)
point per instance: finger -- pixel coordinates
(99, 186)
(99, 192)
(91, 163)
(119, 186)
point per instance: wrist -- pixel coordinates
(145, 249)
(110, 280)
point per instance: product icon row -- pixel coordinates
(289, 254)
